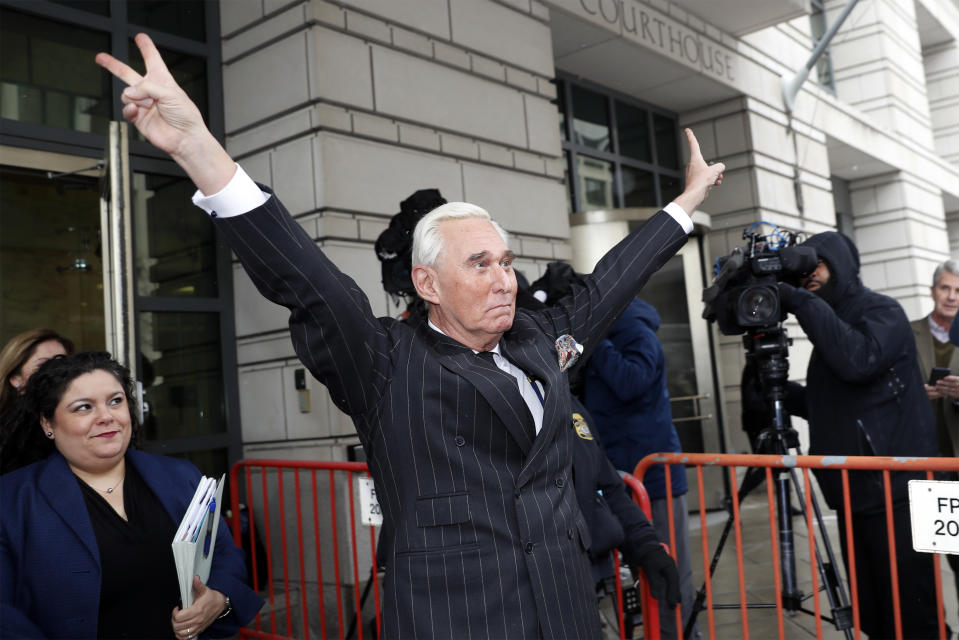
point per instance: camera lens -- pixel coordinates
(758, 306)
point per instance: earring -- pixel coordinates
(49, 434)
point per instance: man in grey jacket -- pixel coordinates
(934, 350)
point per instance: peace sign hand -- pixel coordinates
(156, 105)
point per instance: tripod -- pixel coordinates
(767, 351)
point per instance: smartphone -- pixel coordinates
(937, 374)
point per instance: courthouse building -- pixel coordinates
(563, 118)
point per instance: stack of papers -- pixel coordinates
(195, 538)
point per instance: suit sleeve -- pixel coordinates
(332, 325)
(859, 351)
(590, 309)
(639, 532)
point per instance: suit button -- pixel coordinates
(459, 440)
(529, 547)
(569, 534)
(560, 482)
(516, 495)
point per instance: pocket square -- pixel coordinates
(568, 351)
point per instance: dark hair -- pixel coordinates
(43, 394)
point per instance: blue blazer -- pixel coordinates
(50, 562)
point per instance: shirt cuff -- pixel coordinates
(680, 216)
(239, 196)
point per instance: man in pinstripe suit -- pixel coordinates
(473, 477)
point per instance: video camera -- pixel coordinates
(744, 294)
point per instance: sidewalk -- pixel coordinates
(759, 579)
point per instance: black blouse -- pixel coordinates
(138, 585)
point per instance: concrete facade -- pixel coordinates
(356, 106)
(345, 108)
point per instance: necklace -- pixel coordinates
(111, 489)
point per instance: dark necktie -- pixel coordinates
(490, 357)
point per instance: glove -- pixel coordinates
(662, 574)
(789, 296)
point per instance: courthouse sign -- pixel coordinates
(644, 25)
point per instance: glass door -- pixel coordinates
(170, 308)
(51, 246)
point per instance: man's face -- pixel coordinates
(945, 295)
(475, 286)
(817, 279)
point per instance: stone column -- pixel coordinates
(900, 232)
(942, 79)
(878, 66)
(767, 164)
(346, 109)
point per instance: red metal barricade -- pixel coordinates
(308, 553)
(314, 582)
(649, 605)
(844, 464)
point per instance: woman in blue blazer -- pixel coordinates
(85, 534)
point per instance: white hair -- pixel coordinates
(427, 241)
(952, 266)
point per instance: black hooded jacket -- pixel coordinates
(864, 392)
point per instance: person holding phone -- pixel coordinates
(939, 363)
(939, 358)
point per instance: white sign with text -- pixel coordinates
(370, 513)
(934, 511)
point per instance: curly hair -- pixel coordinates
(44, 391)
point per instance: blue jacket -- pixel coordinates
(50, 562)
(625, 390)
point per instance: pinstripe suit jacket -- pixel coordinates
(488, 541)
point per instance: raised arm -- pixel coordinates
(156, 105)
(594, 305)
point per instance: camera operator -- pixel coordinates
(864, 395)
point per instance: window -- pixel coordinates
(47, 76)
(187, 19)
(619, 151)
(54, 99)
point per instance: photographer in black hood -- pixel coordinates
(864, 395)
